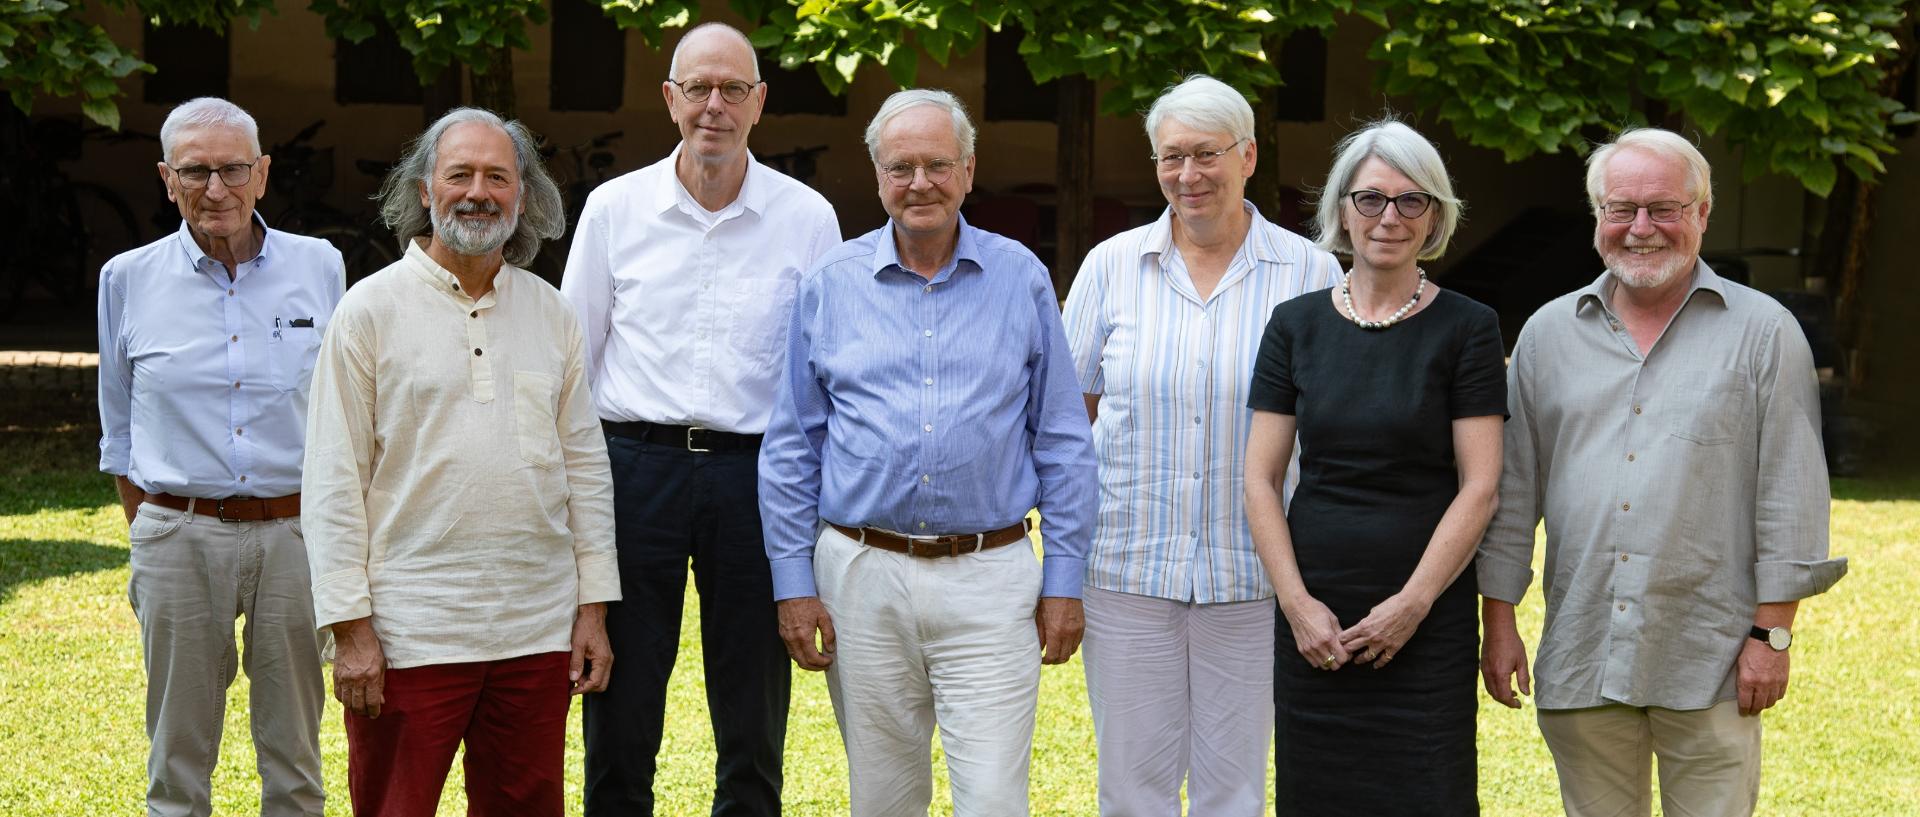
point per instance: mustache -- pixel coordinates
(486, 207)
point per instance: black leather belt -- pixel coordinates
(690, 438)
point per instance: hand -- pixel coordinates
(1762, 676)
(359, 667)
(799, 619)
(1061, 622)
(1502, 657)
(592, 653)
(1316, 633)
(1385, 630)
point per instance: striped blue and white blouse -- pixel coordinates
(1171, 370)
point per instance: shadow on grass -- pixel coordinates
(52, 468)
(26, 561)
(1878, 488)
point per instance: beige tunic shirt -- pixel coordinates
(456, 482)
(1680, 488)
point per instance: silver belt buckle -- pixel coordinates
(690, 430)
(220, 511)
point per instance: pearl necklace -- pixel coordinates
(1346, 294)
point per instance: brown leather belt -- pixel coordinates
(233, 509)
(935, 547)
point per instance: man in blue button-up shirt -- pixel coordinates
(207, 344)
(928, 403)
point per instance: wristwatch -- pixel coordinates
(1779, 638)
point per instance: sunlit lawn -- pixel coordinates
(71, 739)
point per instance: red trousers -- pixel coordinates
(512, 715)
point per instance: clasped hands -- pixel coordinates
(1374, 640)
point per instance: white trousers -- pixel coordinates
(1709, 760)
(1180, 692)
(192, 575)
(920, 642)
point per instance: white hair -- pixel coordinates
(1406, 151)
(206, 112)
(1659, 142)
(544, 216)
(1203, 103)
(902, 101)
(673, 66)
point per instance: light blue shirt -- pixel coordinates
(1172, 370)
(927, 407)
(203, 378)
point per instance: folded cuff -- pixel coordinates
(342, 595)
(1792, 581)
(599, 579)
(1502, 579)
(1062, 577)
(793, 578)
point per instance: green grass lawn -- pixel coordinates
(71, 687)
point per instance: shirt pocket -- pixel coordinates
(290, 355)
(536, 397)
(762, 309)
(1711, 408)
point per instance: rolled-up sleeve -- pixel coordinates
(790, 454)
(116, 377)
(337, 471)
(1792, 494)
(1062, 455)
(589, 480)
(1504, 563)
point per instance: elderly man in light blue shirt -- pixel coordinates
(207, 343)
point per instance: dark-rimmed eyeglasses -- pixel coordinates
(901, 173)
(734, 91)
(1176, 161)
(194, 177)
(1624, 212)
(1411, 204)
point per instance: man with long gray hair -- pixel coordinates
(460, 513)
(207, 342)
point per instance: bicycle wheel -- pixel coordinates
(106, 229)
(373, 253)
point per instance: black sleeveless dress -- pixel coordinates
(1375, 411)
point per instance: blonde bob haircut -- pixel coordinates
(1405, 150)
(1657, 141)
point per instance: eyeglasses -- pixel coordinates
(194, 177)
(1624, 212)
(1172, 162)
(938, 171)
(696, 91)
(1370, 203)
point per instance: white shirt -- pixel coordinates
(685, 311)
(457, 486)
(1172, 371)
(203, 377)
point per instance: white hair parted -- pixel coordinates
(902, 101)
(206, 112)
(1203, 103)
(673, 65)
(544, 215)
(1406, 151)
(1659, 142)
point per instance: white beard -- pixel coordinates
(468, 238)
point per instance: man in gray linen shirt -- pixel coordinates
(1666, 424)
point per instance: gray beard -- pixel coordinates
(469, 239)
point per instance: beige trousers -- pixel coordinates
(1709, 760)
(192, 576)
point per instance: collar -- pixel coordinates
(1594, 295)
(197, 257)
(1159, 239)
(670, 194)
(429, 271)
(886, 254)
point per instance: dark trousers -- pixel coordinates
(512, 714)
(672, 507)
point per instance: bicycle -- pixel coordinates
(303, 173)
(62, 243)
(591, 165)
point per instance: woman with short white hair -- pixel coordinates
(1164, 322)
(1396, 390)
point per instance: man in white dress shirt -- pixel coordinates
(207, 341)
(684, 274)
(460, 513)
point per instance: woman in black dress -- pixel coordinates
(1397, 391)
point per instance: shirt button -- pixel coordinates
(929, 333)
(1636, 408)
(229, 293)
(476, 353)
(1196, 475)
(1196, 421)
(243, 477)
(1629, 458)
(238, 432)
(1623, 557)
(234, 339)
(456, 287)
(474, 314)
(927, 427)
(923, 526)
(926, 478)
(928, 289)
(236, 384)
(1623, 608)
(1626, 506)
(929, 381)
(1194, 534)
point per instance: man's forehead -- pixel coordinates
(213, 142)
(475, 144)
(717, 56)
(925, 129)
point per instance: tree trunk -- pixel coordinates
(1073, 209)
(493, 86)
(1264, 189)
